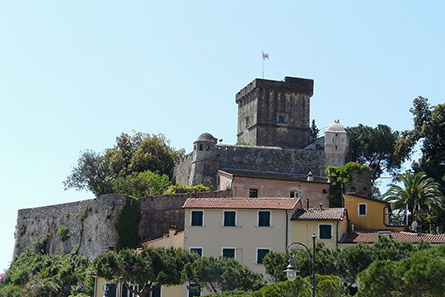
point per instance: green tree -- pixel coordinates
(222, 274)
(314, 131)
(326, 286)
(419, 192)
(150, 268)
(97, 172)
(141, 184)
(376, 147)
(275, 262)
(37, 274)
(180, 188)
(353, 260)
(421, 274)
(428, 128)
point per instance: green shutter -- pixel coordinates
(264, 218)
(197, 218)
(228, 253)
(325, 231)
(261, 253)
(362, 209)
(197, 250)
(229, 218)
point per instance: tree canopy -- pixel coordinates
(429, 129)
(419, 193)
(150, 267)
(376, 147)
(104, 173)
(36, 274)
(222, 274)
(421, 274)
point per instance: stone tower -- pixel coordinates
(275, 113)
(336, 144)
(202, 166)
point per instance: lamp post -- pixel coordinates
(291, 271)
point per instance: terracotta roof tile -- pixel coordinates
(241, 203)
(313, 214)
(371, 236)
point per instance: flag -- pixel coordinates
(265, 56)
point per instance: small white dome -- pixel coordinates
(336, 127)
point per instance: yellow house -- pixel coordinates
(328, 224)
(368, 213)
(240, 228)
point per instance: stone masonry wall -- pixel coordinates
(263, 159)
(181, 172)
(97, 233)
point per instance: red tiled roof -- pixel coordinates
(241, 203)
(315, 214)
(370, 236)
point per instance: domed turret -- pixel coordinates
(336, 144)
(205, 142)
(206, 137)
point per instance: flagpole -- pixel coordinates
(262, 59)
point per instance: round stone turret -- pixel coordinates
(336, 144)
(205, 142)
(206, 137)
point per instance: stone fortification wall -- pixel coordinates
(181, 171)
(285, 161)
(239, 157)
(91, 223)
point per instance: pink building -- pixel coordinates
(250, 184)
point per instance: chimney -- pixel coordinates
(321, 206)
(310, 177)
(172, 231)
(352, 227)
(307, 203)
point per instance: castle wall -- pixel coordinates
(97, 232)
(182, 170)
(263, 159)
(92, 236)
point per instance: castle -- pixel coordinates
(274, 140)
(273, 137)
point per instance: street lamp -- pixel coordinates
(291, 271)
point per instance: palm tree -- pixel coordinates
(418, 193)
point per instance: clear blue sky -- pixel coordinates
(75, 74)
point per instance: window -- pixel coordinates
(247, 121)
(197, 250)
(228, 253)
(282, 119)
(253, 193)
(264, 218)
(229, 219)
(193, 290)
(362, 211)
(325, 191)
(200, 147)
(197, 218)
(294, 195)
(260, 254)
(325, 231)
